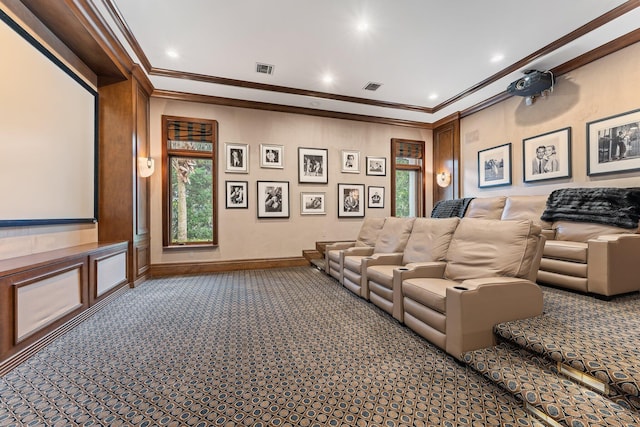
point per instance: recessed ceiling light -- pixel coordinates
(362, 26)
(433, 96)
(328, 79)
(171, 53)
(497, 57)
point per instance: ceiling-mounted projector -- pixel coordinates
(533, 83)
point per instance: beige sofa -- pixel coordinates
(487, 277)
(367, 237)
(582, 256)
(429, 241)
(392, 239)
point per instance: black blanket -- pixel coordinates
(451, 208)
(619, 207)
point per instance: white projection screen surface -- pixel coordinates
(48, 135)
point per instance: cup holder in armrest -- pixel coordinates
(402, 269)
(461, 288)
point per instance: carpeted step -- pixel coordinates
(614, 363)
(534, 380)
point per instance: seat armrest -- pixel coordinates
(358, 251)
(548, 233)
(339, 246)
(475, 306)
(424, 269)
(394, 258)
(612, 264)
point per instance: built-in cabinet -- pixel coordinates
(41, 293)
(123, 208)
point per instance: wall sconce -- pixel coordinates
(443, 179)
(146, 166)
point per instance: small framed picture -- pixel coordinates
(312, 165)
(376, 166)
(271, 156)
(273, 199)
(375, 197)
(494, 166)
(350, 200)
(547, 156)
(236, 195)
(312, 204)
(613, 144)
(350, 161)
(237, 158)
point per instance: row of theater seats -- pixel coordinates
(450, 280)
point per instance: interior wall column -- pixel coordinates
(446, 157)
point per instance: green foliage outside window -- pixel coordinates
(191, 201)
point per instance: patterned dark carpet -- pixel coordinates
(286, 347)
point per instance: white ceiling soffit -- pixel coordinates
(414, 48)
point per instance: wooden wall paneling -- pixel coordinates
(123, 208)
(446, 157)
(105, 255)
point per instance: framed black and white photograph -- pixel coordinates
(494, 166)
(271, 156)
(613, 144)
(237, 156)
(375, 197)
(273, 199)
(350, 161)
(547, 156)
(312, 165)
(376, 166)
(312, 204)
(350, 200)
(237, 197)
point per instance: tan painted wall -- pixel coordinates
(601, 89)
(241, 234)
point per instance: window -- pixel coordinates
(189, 153)
(407, 178)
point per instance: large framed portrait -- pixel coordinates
(312, 165)
(237, 156)
(237, 196)
(271, 156)
(376, 166)
(613, 144)
(273, 199)
(375, 197)
(547, 156)
(350, 161)
(350, 200)
(494, 166)
(312, 204)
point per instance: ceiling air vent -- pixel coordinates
(264, 68)
(372, 86)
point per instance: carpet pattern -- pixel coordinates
(284, 347)
(594, 336)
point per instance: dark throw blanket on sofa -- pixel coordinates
(451, 208)
(619, 207)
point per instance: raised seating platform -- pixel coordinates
(577, 364)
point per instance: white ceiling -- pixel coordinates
(415, 48)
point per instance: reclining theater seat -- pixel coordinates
(486, 207)
(392, 239)
(366, 237)
(429, 241)
(596, 244)
(593, 258)
(487, 278)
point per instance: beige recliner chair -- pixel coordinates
(366, 238)
(487, 278)
(392, 239)
(429, 241)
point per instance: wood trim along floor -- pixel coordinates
(176, 269)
